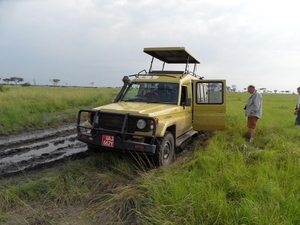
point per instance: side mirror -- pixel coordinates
(188, 102)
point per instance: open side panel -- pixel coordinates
(209, 105)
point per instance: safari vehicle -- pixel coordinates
(156, 110)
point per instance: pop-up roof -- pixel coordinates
(172, 54)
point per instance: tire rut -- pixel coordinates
(31, 150)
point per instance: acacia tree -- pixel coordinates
(263, 90)
(7, 80)
(55, 81)
(16, 79)
(275, 91)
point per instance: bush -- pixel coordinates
(26, 84)
(2, 88)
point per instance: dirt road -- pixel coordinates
(33, 149)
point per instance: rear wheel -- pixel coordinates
(165, 152)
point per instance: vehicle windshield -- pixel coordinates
(152, 92)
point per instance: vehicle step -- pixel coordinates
(185, 136)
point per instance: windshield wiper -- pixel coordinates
(136, 99)
(153, 101)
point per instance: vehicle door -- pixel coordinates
(209, 104)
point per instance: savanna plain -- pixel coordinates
(222, 180)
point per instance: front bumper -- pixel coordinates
(118, 136)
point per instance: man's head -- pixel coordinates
(251, 89)
(298, 89)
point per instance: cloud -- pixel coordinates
(83, 41)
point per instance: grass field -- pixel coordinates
(229, 181)
(34, 107)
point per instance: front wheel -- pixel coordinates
(165, 151)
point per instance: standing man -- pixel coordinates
(297, 112)
(253, 110)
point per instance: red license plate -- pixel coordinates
(107, 140)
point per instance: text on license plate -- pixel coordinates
(107, 140)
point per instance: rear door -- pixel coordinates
(209, 104)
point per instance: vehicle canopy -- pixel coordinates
(172, 55)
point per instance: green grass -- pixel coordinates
(79, 184)
(28, 108)
(226, 181)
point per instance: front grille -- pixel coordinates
(115, 122)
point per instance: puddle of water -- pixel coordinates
(15, 138)
(61, 144)
(31, 163)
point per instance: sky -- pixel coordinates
(97, 42)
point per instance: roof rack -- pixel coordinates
(167, 72)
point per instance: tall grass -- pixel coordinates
(27, 108)
(75, 185)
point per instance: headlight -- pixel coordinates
(141, 124)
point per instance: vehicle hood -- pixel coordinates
(138, 108)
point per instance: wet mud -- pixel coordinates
(35, 149)
(31, 150)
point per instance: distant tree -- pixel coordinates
(233, 88)
(263, 90)
(287, 92)
(34, 81)
(7, 80)
(275, 91)
(55, 81)
(92, 83)
(16, 79)
(27, 84)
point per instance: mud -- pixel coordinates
(31, 150)
(35, 149)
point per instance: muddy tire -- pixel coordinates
(165, 150)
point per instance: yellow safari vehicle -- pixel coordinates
(156, 110)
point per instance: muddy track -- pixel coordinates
(34, 149)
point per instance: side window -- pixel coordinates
(210, 93)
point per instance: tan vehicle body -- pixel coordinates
(156, 112)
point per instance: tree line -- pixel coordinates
(17, 80)
(233, 88)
